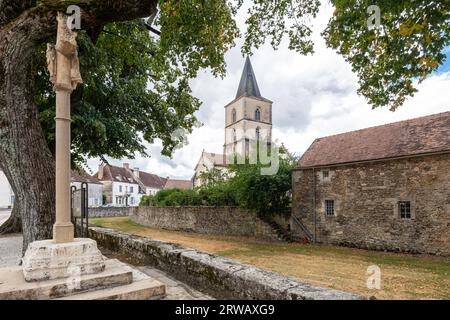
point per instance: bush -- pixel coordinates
(221, 194)
(176, 197)
(146, 201)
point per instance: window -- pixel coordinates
(131, 189)
(233, 115)
(234, 134)
(329, 208)
(132, 200)
(404, 209)
(325, 174)
(257, 114)
(257, 134)
(120, 188)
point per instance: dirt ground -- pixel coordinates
(402, 276)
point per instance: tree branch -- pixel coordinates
(40, 21)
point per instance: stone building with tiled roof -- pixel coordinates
(385, 187)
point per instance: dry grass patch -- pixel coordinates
(403, 276)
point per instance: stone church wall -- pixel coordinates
(366, 200)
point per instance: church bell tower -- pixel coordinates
(248, 118)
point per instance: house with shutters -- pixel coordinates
(124, 186)
(385, 188)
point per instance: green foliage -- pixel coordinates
(176, 197)
(265, 194)
(219, 194)
(136, 86)
(408, 45)
(245, 187)
(146, 201)
(213, 177)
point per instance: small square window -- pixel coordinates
(404, 209)
(329, 208)
(325, 174)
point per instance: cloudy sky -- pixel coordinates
(313, 96)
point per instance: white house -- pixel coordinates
(95, 188)
(125, 187)
(6, 193)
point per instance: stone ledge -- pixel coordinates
(218, 276)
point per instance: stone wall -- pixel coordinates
(206, 220)
(110, 212)
(366, 200)
(220, 277)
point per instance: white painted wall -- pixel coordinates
(95, 193)
(6, 193)
(151, 191)
(121, 189)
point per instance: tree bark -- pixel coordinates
(24, 154)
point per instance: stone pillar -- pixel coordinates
(64, 72)
(64, 255)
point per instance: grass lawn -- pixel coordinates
(402, 276)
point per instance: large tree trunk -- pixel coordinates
(24, 154)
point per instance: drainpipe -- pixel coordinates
(314, 205)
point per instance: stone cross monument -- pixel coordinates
(63, 66)
(64, 255)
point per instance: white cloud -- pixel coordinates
(313, 96)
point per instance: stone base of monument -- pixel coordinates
(47, 260)
(117, 281)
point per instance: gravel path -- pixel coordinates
(10, 250)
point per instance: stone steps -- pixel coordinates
(148, 289)
(117, 282)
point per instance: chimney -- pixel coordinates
(136, 172)
(100, 171)
(126, 165)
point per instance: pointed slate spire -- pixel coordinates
(248, 85)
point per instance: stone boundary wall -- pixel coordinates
(220, 277)
(110, 212)
(206, 220)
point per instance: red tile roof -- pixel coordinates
(121, 174)
(430, 134)
(152, 180)
(178, 184)
(76, 176)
